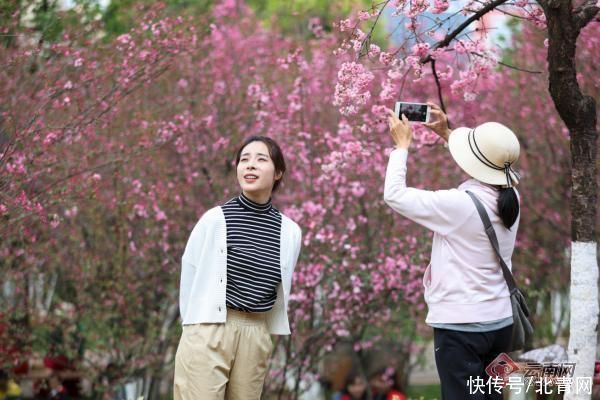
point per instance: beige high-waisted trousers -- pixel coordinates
(223, 361)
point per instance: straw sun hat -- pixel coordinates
(486, 153)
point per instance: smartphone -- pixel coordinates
(418, 112)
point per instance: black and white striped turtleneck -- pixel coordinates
(253, 246)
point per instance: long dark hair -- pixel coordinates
(508, 206)
(274, 152)
(353, 375)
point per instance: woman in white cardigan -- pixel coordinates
(235, 284)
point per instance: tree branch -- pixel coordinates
(585, 13)
(518, 69)
(449, 37)
(510, 66)
(439, 86)
(516, 16)
(367, 41)
(553, 3)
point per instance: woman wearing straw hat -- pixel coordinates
(467, 297)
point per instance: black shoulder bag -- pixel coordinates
(522, 328)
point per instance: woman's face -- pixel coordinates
(357, 388)
(380, 385)
(256, 172)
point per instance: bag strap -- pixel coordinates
(491, 233)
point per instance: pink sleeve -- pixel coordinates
(441, 211)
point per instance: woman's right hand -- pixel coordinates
(440, 122)
(400, 130)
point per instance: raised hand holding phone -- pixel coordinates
(400, 130)
(439, 121)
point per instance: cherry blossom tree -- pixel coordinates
(110, 151)
(463, 53)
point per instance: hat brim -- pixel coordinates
(458, 143)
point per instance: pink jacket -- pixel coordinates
(464, 281)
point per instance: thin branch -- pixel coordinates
(517, 16)
(368, 37)
(404, 80)
(508, 65)
(378, 4)
(440, 97)
(439, 86)
(517, 68)
(449, 37)
(436, 25)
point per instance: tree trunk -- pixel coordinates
(579, 114)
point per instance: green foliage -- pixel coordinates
(41, 16)
(45, 20)
(117, 16)
(7, 9)
(293, 17)
(508, 54)
(120, 15)
(423, 392)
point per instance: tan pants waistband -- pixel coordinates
(246, 318)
